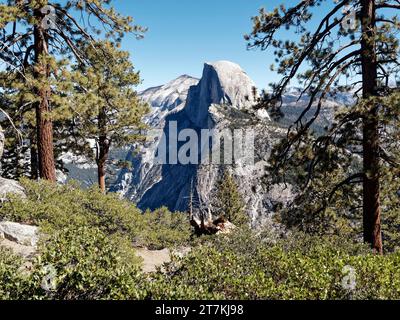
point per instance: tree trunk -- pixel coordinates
(34, 157)
(371, 187)
(44, 124)
(101, 163)
(102, 150)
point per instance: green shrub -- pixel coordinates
(56, 207)
(244, 266)
(163, 228)
(87, 245)
(11, 279)
(87, 253)
(84, 263)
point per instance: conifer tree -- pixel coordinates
(36, 33)
(104, 106)
(228, 202)
(354, 43)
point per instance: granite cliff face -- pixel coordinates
(221, 99)
(222, 83)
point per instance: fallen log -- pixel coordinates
(209, 226)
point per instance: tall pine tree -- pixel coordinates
(36, 33)
(104, 106)
(228, 203)
(354, 42)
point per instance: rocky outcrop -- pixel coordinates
(26, 252)
(8, 187)
(21, 239)
(21, 234)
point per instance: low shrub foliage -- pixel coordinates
(68, 206)
(87, 251)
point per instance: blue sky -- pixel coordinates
(183, 34)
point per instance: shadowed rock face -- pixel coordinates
(222, 83)
(221, 99)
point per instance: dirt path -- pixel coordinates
(156, 258)
(153, 258)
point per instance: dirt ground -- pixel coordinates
(156, 258)
(153, 258)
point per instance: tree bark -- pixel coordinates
(34, 157)
(44, 124)
(101, 162)
(371, 183)
(102, 149)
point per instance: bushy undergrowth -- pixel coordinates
(245, 266)
(84, 263)
(87, 248)
(88, 253)
(56, 207)
(78, 264)
(11, 282)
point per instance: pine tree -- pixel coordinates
(228, 202)
(359, 48)
(36, 33)
(105, 108)
(20, 158)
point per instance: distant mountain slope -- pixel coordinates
(293, 106)
(170, 95)
(166, 98)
